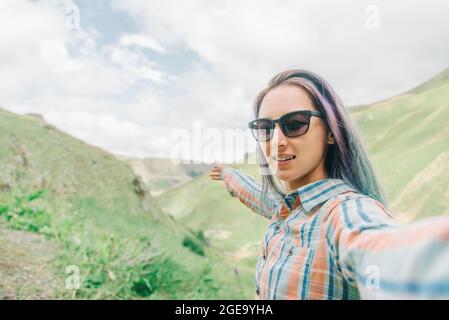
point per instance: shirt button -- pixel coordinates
(264, 257)
(257, 291)
(292, 249)
(277, 228)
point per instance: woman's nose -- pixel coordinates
(279, 139)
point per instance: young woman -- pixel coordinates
(331, 235)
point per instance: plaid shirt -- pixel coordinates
(327, 241)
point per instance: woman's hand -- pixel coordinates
(215, 172)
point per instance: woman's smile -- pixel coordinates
(283, 161)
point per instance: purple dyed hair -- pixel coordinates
(347, 158)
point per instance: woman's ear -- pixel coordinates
(330, 138)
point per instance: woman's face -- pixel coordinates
(308, 149)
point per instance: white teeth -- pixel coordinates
(284, 158)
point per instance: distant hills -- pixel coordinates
(162, 174)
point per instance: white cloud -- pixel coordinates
(249, 41)
(141, 40)
(135, 63)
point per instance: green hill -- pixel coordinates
(92, 211)
(408, 139)
(35, 155)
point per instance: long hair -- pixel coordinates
(347, 158)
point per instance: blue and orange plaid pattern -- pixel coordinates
(327, 241)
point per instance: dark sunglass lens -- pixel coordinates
(296, 124)
(262, 129)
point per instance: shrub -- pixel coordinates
(193, 244)
(23, 215)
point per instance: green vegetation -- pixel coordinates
(96, 215)
(113, 265)
(408, 139)
(22, 215)
(195, 242)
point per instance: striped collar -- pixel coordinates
(312, 195)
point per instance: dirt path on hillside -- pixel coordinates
(26, 268)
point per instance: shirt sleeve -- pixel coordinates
(384, 259)
(249, 192)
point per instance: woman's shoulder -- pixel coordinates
(355, 204)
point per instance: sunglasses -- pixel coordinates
(292, 124)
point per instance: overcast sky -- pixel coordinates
(129, 76)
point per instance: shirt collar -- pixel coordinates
(313, 194)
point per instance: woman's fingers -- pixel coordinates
(215, 175)
(215, 172)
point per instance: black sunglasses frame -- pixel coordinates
(307, 113)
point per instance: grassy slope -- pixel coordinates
(86, 182)
(407, 137)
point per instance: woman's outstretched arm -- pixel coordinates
(387, 260)
(246, 189)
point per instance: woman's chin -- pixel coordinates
(283, 175)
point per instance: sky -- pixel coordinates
(177, 79)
